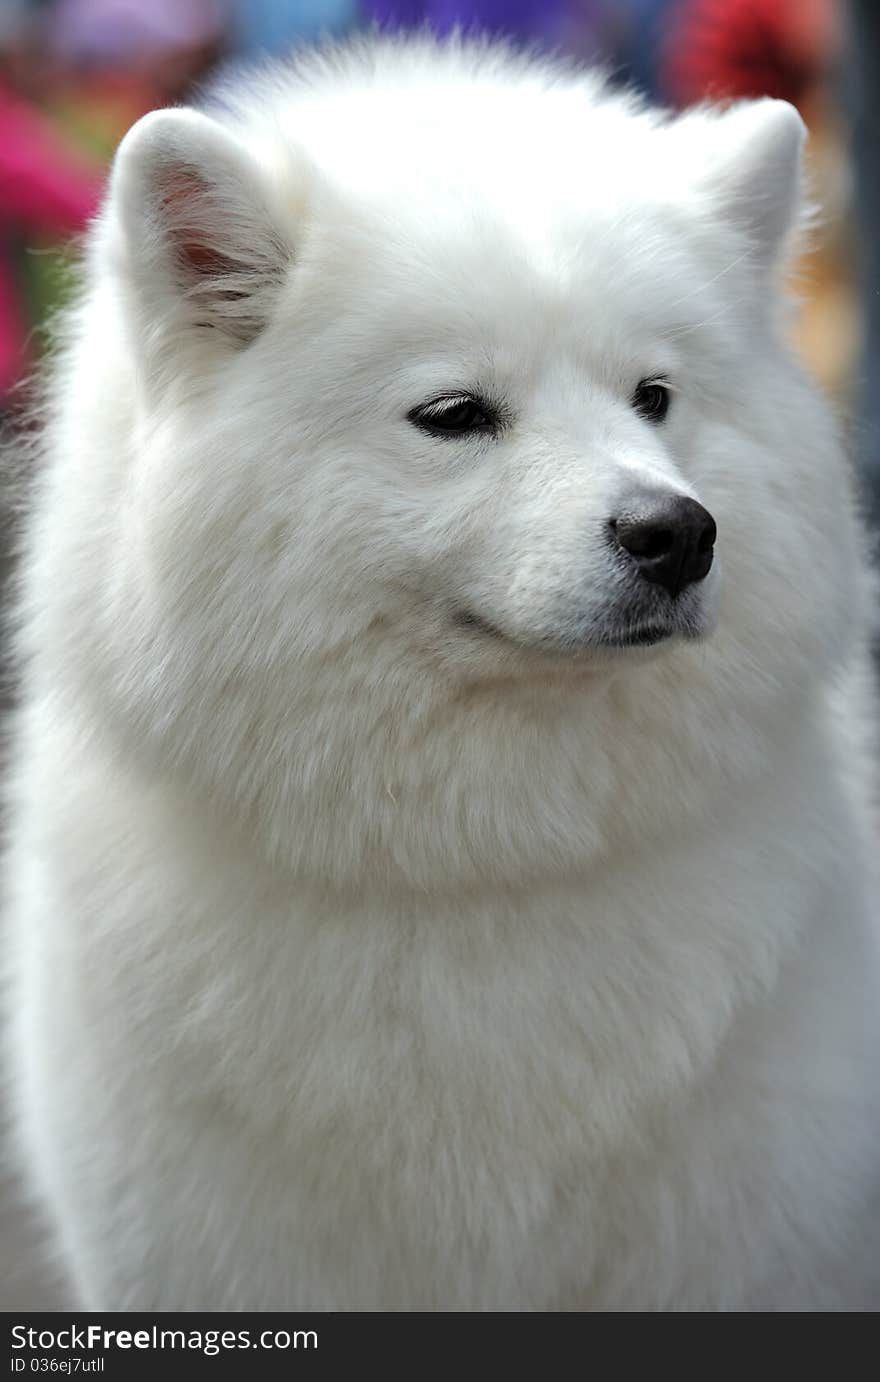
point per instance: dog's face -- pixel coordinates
(513, 448)
(405, 433)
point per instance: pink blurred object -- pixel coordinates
(46, 193)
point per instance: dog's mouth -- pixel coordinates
(467, 619)
(637, 638)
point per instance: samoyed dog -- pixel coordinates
(440, 817)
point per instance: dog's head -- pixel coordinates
(462, 378)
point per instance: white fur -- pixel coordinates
(364, 960)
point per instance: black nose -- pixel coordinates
(670, 538)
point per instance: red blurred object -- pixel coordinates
(739, 48)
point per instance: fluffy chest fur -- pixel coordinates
(475, 1100)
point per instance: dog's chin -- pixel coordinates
(609, 639)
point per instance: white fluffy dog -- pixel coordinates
(439, 857)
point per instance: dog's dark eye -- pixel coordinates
(452, 416)
(651, 400)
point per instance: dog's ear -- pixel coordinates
(753, 172)
(201, 246)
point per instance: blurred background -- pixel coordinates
(74, 74)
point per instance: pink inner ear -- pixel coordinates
(192, 217)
